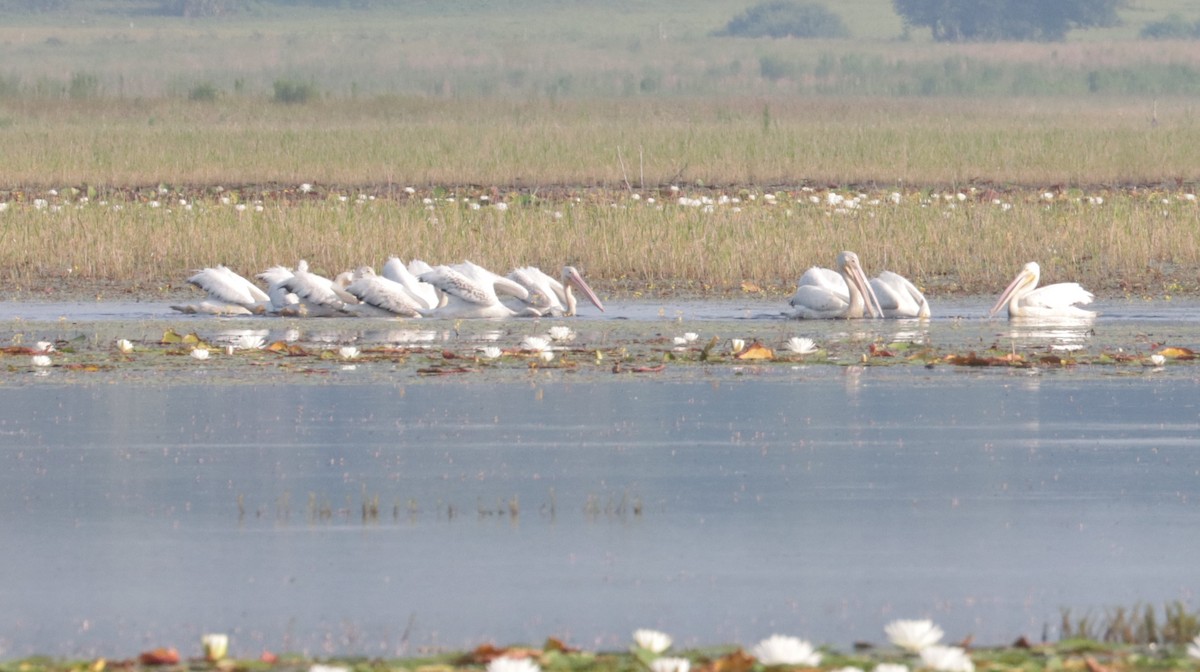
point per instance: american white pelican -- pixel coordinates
(423, 292)
(898, 297)
(468, 291)
(315, 295)
(549, 296)
(1057, 300)
(382, 296)
(228, 294)
(825, 294)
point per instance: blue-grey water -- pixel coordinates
(722, 507)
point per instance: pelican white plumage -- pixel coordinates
(316, 296)
(825, 294)
(423, 292)
(550, 296)
(228, 294)
(283, 301)
(469, 291)
(1025, 299)
(898, 297)
(380, 295)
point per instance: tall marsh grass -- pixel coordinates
(1116, 242)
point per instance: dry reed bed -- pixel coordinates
(642, 144)
(578, 182)
(1137, 242)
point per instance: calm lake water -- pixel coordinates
(720, 506)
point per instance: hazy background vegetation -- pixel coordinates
(549, 49)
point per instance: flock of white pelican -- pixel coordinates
(417, 289)
(847, 294)
(467, 290)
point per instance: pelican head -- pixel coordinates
(1024, 283)
(571, 277)
(859, 287)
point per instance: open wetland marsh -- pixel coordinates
(421, 495)
(384, 487)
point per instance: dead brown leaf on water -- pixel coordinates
(159, 656)
(755, 351)
(973, 359)
(738, 661)
(1175, 352)
(486, 653)
(285, 348)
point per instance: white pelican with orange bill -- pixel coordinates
(1025, 299)
(844, 294)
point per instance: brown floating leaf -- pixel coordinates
(738, 661)
(755, 350)
(556, 644)
(486, 653)
(159, 656)
(877, 351)
(1177, 353)
(446, 354)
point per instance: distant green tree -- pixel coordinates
(1174, 27)
(1022, 20)
(785, 18)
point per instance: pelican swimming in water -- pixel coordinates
(551, 297)
(228, 294)
(422, 292)
(1025, 299)
(469, 291)
(898, 297)
(314, 295)
(379, 295)
(825, 294)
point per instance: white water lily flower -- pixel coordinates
(200, 353)
(1159, 360)
(736, 345)
(689, 337)
(652, 640)
(348, 352)
(124, 345)
(40, 360)
(947, 659)
(561, 333)
(535, 343)
(305, 188)
(328, 668)
(890, 667)
(913, 635)
(668, 664)
(800, 346)
(489, 352)
(45, 346)
(507, 664)
(784, 650)
(215, 646)
(546, 356)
